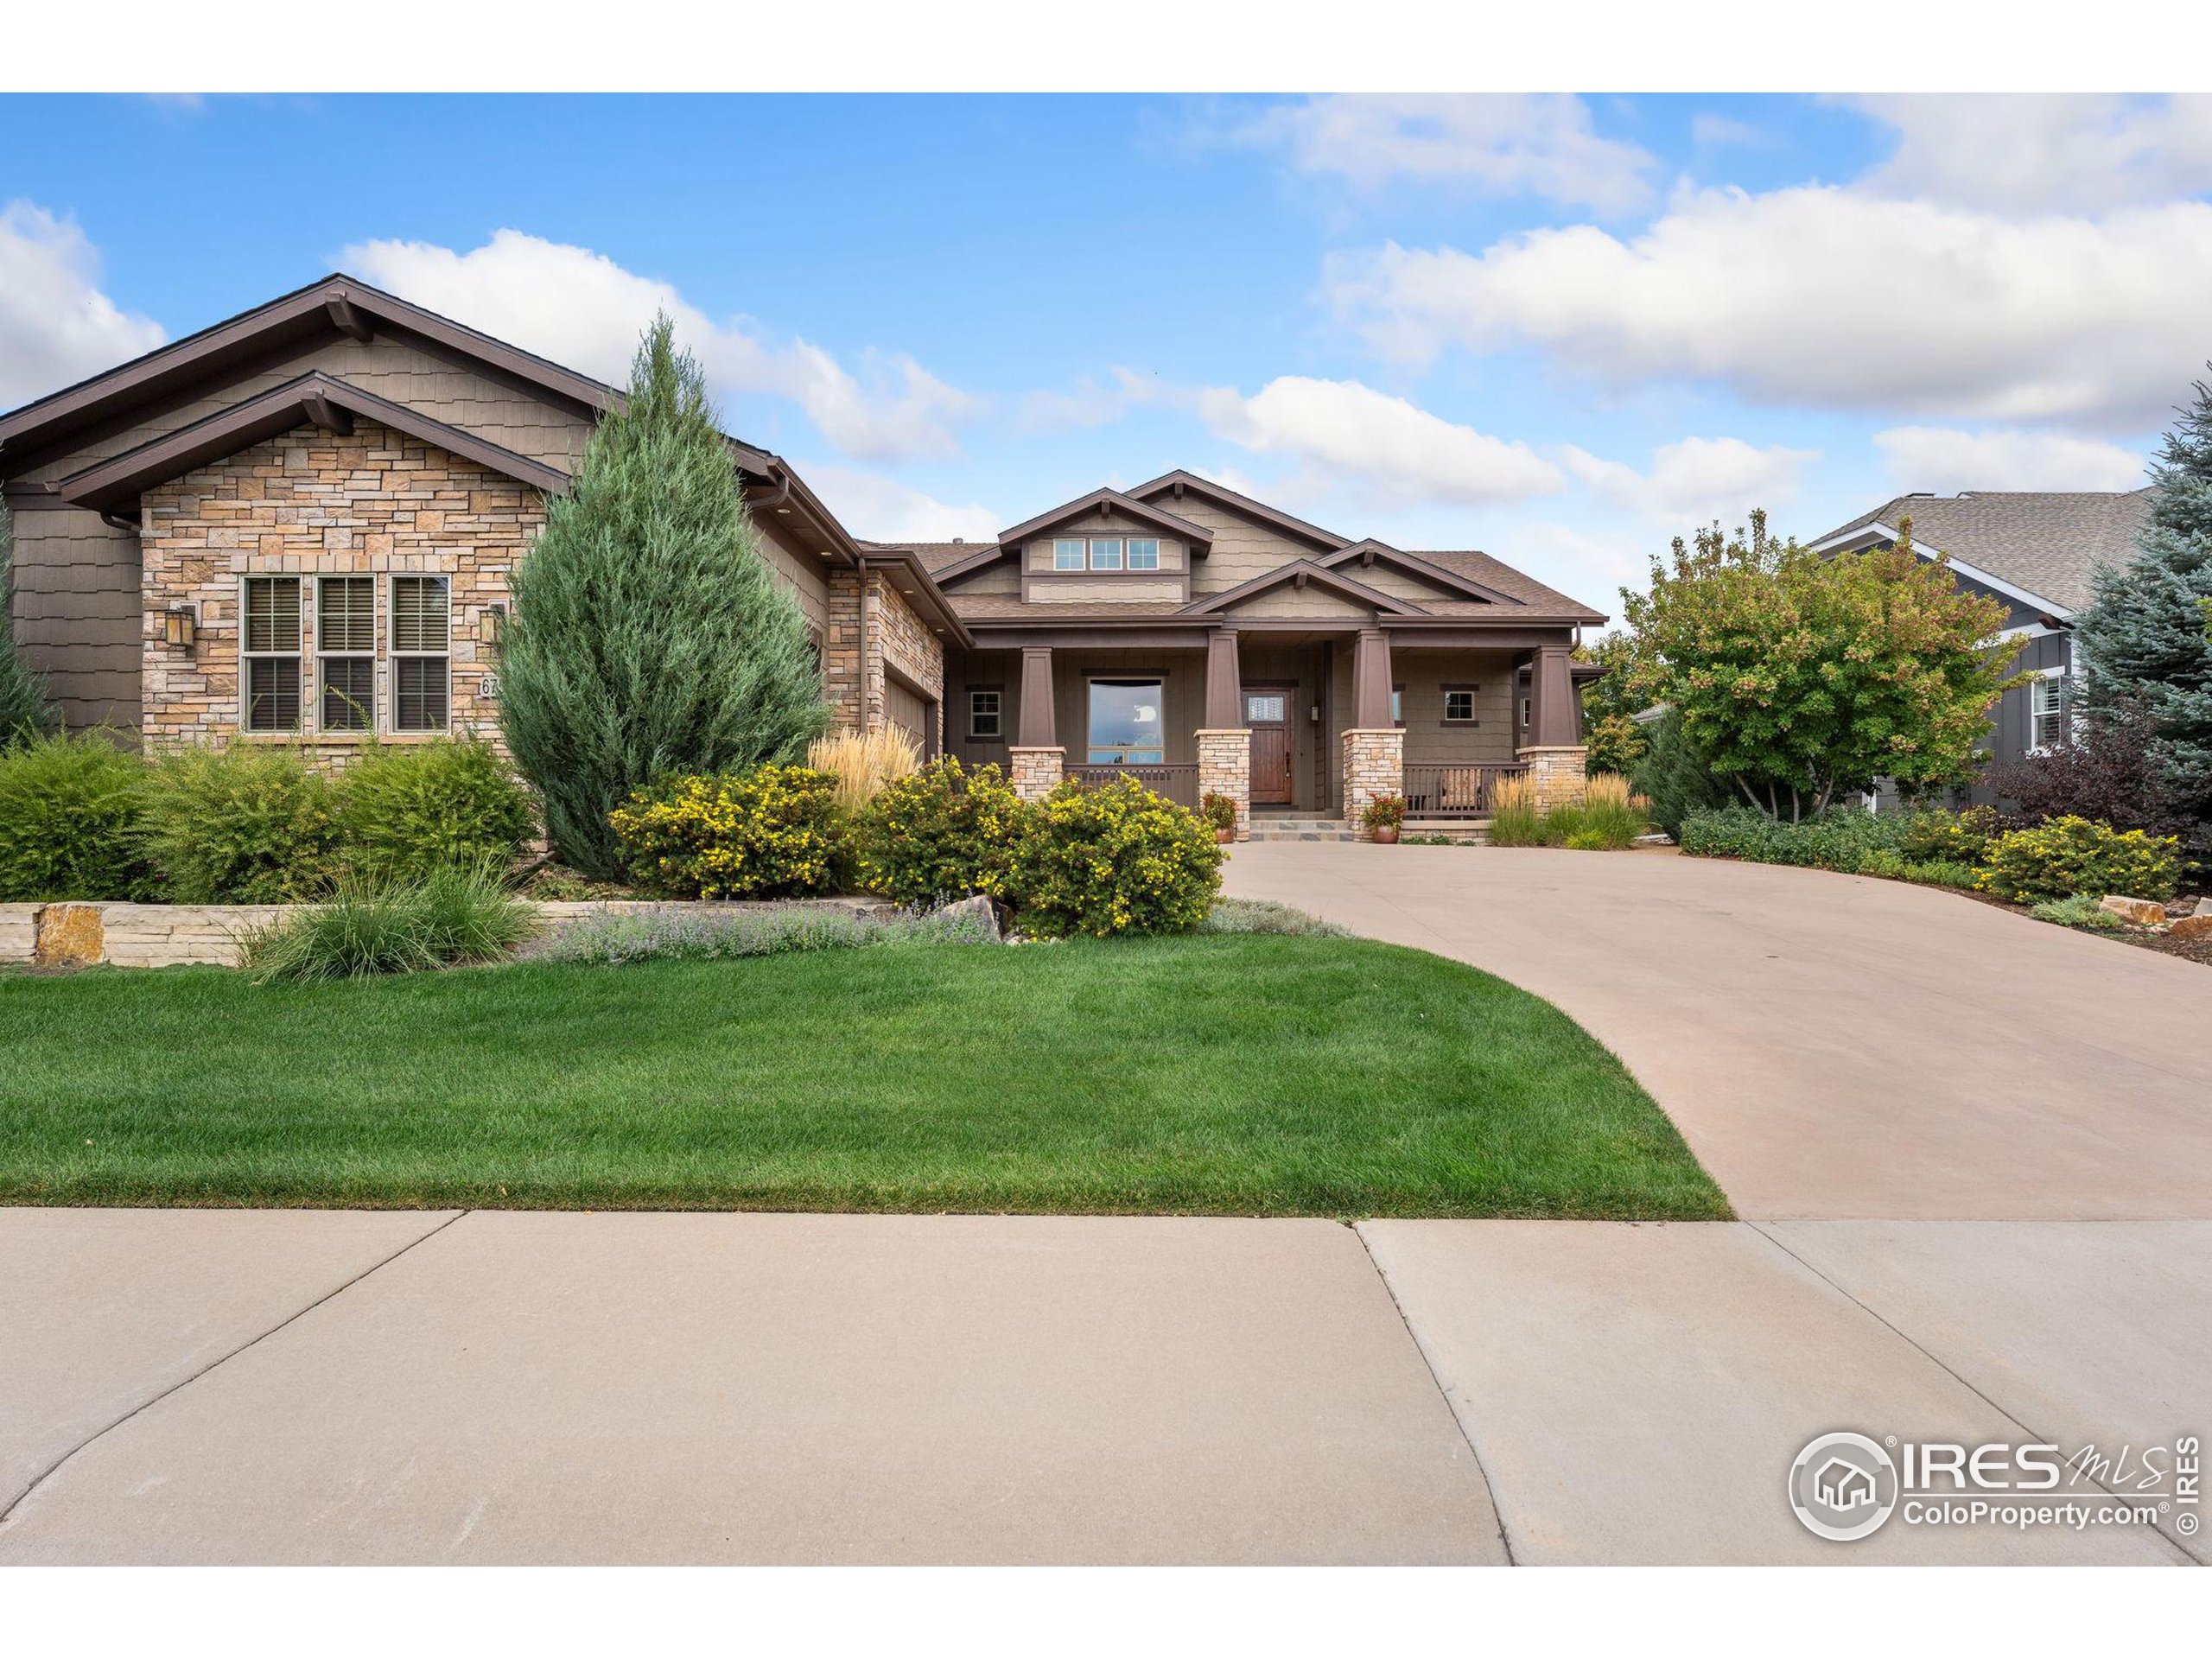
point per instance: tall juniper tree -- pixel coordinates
(649, 635)
(22, 691)
(2143, 640)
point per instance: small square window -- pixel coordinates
(984, 710)
(1459, 707)
(1144, 555)
(1105, 552)
(1067, 553)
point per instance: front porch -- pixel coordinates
(1308, 722)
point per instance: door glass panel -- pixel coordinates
(1126, 724)
(1265, 707)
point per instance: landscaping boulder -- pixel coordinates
(975, 905)
(2144, 913)
(2198, 926)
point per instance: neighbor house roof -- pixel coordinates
(2042, 544)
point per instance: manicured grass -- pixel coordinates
(1217, 1075)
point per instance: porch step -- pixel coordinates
(1272, 828)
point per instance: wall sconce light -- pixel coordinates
(495, 621)
(1314, 713)
(179, 626)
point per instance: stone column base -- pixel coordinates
(1557, 774)
(1035, 773)
(1375, 765)
(1225, 768)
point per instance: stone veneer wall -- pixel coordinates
(1374, 767)
(1035, 773)
(308, 503)
(1225, 768)
(853, 667)
(1557, 776)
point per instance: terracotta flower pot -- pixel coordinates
(1386, 836)
(1226, 838)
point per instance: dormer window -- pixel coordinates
(1105, 552)
(1144, 555)
(1068, 553)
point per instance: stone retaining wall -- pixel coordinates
(63, 935)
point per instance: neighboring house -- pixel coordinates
(298, 526)
(2035, 551)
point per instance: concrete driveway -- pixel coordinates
(1832, 1046)
(226, 1386)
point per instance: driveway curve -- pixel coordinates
(1832, 1046)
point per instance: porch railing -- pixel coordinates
(1455, 790)
(1179, 783)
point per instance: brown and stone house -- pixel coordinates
(298, 526)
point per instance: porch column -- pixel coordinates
(1374, 748)
(1225, 741)
(1558, 762)
(1035, 757)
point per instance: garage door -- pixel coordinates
(909, 711)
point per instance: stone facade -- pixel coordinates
(1225, 768)
(1557, 775)
(310, 502)
(1373, 766)
(871, 627)
(1035, 773)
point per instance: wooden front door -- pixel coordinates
(1267, 712)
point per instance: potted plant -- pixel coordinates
(1382, 816)
(1221, 812)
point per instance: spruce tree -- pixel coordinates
(2142, 641)
(22, 692)
(649, 635)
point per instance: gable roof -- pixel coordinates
(2038, 545)
(1177, 484)
(1110, 501)
(1371, 551)
(1301, 573)
(313, 398)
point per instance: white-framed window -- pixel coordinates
(1528, 712)
(346, 653)
(1144, 554)
(1068, 553)
(420, 670)
(1105, 552)
(1459, 706)
(2047, 710)
(986, 712)
(269, 654)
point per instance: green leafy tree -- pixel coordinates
(1798, 677)
(2143, 640)
(22, 691)
(1609, 707)
(649, 636)
(1672, 778)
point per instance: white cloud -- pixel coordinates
(1698, 479)
(1830, 297)
(878, 509)
(1397, 451)
(581, 308)
(1943, 460)
(56, 327)
(2066, 152)
(1092, 404)
(1711, 131)
(1502, 144)
(1592, 567)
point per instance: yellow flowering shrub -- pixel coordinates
(2060, 857)
(940, 834)
(1117, 859)
(766, 832)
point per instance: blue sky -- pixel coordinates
(1560, 329)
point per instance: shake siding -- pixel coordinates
(76, 611)
(1315, 602)
(799, 567)
(1241, 550)
(1004, 577)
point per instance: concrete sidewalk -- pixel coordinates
(259, 1387)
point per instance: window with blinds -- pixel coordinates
(420, 666)
(346, 644)
(268, 658)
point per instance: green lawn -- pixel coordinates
(1235, 1075)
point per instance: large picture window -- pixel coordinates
(345, 648)
(269, 654)
(1127, 724)
(420, 666)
